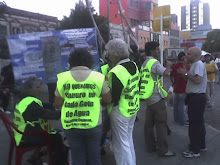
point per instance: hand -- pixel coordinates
(168, 64)
(182, 71)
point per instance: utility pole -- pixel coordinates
(133, 37)
(122, 21)
(108, 17)
(94, 23)
(101, 41)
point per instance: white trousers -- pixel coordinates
(122, 138)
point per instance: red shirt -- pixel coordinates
(179, 83)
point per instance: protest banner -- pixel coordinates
(45, 54)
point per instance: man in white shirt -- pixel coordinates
(196, 101)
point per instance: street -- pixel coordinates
(178, 140)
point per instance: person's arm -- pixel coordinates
(172, 75)
(58, 102)
(196, 79)
(39, 112)
(106, 94)
(116, 89)
(168, 68)
(216, 68)
(172, 80)
(107, 97)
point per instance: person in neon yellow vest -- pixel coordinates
(105, 117)
(152, 92)
(123, 80)
(79, 93)
(31, 115)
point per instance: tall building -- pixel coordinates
(174, 32)
(137, 12)
(174, 19)
(195, 13)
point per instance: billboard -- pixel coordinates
(173, 53)
(45, 54)
(165, 12)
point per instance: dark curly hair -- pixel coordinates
(150, 46)
(81, 57)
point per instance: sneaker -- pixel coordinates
(186, 152)
(7, 112)
(203, 149)
(209, 105)
(190, 154)
(186, 125)
(168, 154)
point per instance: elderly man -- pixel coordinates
(196, 101)
(123, 81)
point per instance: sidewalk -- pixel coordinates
(178, 141)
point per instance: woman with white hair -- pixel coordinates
(123, 81)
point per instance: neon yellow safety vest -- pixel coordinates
(147, 81)
(81, 107)
(21, 124)
(104, 70)
(129, 102)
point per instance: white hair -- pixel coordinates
(117, 47)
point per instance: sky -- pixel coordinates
(62, 8)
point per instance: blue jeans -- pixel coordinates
(85, 145)
(179, 108)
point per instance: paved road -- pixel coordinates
(177, 141)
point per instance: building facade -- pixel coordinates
(15, 21)
(139, 14)
(194, 14)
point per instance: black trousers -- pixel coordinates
(196, 105)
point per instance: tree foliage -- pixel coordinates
(3, 8)
(212, 42)
(80, 18)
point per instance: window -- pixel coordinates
(134, 3)
(134, 22)
(3, 31)
(148, 7)
(141, 40)
(16, 30)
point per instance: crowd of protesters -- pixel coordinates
(89, 103)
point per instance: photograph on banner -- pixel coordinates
(45, 54)
(173, 53)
